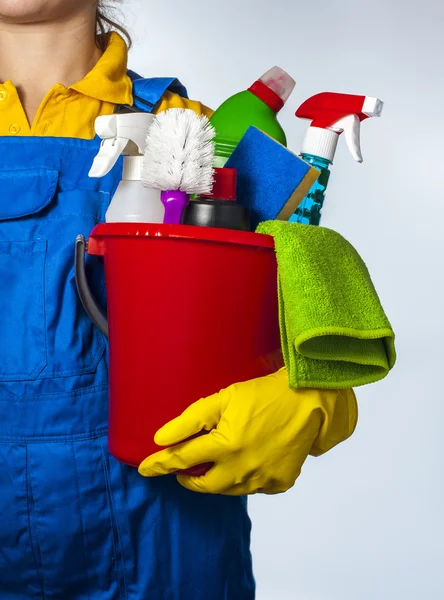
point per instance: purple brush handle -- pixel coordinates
(175, 203)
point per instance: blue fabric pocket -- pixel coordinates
(44, 330)
(23, 348)
(28, 191)
(22, 310)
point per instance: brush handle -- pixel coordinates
(175, 203)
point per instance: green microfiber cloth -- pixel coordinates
(334, 331)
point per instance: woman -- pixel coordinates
(75, 524)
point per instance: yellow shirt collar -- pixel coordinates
(108, 80)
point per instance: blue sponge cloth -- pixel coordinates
(272, 181)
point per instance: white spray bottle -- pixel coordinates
(126, 134)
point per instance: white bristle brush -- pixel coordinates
(178, 159)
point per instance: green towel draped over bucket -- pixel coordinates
(334, 331)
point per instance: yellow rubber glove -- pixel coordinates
(261, 432)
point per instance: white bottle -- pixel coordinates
(126, 134)
(133, 202)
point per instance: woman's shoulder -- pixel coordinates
(171, 100)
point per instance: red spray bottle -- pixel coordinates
(331, 114)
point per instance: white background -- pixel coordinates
(364, 522)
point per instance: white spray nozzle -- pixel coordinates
(372, 107)
(121, 134)
(106, 126)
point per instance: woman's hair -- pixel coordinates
(105, 23)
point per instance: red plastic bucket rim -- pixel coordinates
(188, 232)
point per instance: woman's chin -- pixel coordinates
(25, 12)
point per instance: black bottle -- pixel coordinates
(218, 209)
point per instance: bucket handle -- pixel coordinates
(87, 299)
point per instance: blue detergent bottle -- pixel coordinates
(330, 114)
(309, 210)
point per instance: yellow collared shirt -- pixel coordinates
(72, 111)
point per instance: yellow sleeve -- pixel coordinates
(171, 100)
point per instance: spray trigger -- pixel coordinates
(351, 126)
(121, 134)
(109, 152)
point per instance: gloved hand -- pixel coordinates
(261, 432)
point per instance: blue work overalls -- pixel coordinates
(74, 523)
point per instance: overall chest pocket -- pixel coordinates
(44, 331)
(22, 310)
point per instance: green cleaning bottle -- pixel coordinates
(258, 106)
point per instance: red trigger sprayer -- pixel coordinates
(331, 114)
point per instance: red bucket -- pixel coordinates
(191, 310)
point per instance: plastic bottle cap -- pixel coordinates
(224, 186)
(320, 142)
(132, 167)
(274, 88)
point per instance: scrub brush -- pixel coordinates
(178, 159)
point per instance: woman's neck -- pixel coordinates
(37, 56)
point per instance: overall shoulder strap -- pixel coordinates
(147, 93)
